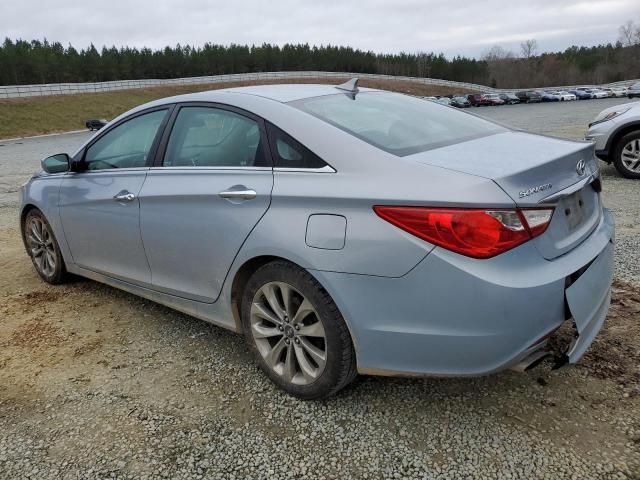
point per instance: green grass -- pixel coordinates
(37, 115)
(22, 117)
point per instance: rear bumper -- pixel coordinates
(588, 299)
(453, 316)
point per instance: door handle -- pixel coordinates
(244, 194)
(124, 196)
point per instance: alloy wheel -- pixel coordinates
(288, 333)
(631, 155)
(41, 246)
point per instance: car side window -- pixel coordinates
(289, 153)
(127, 145)
(214, 137)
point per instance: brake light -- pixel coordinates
(477, 233)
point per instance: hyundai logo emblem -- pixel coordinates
(580, 167)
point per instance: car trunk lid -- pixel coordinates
(534, 171)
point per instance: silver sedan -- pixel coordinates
(342, 230)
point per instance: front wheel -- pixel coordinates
(42, 247)
(296, 332)
(626, 155)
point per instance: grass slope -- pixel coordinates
(23, 117)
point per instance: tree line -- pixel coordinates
(40, 61)
(575, 65)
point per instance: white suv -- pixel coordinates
(616, 134)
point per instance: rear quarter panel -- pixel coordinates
(372, 246)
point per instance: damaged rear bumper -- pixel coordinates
(588, 298)
(454, 316)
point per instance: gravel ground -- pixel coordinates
(96, 383)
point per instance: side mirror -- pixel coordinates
(58, 163)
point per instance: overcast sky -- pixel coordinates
(453, 27)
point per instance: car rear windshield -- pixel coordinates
(398, 124)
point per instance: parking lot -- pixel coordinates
(562, 119)
(95, 382)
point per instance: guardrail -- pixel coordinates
(17, 91)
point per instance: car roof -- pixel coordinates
(249, 97)
(291, 92)
(280, 93)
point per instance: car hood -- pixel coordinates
(616, 108)
(529, 168)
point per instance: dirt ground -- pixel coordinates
(107, 359)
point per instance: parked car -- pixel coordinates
(619, 91)
(608, 91)
(95, 124)
(444, 100)
(616, 134)
(509, 98)
(585, 89)
(581, 94)
(529, 96)
(493, 99)
(598, 93)
(460, 102)
(549, 96)
(284, 233)
(564, 95)
(432, 99)
(634, 90)
(478, 100)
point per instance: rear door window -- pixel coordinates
(214, 137)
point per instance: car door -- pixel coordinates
(99, 206)
(211, 185)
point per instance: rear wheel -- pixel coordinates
(42, 247)
(296, 332)
(626, 155)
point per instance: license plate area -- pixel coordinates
(573, 208)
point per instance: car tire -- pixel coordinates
(276, 335)
(43, 249)
(618, 160)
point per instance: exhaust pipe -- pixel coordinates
(531, 361)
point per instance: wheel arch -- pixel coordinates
(619, 133)
(26, 208)
(242, 276)
(240, 279)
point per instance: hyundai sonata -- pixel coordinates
(341, 230)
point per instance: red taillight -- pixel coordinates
(478, 233)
